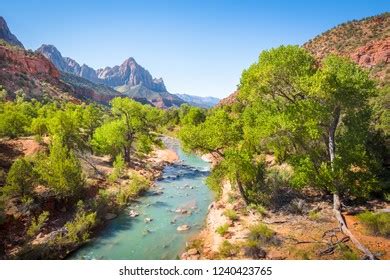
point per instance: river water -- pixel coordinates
(129, 238)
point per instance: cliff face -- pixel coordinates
(6, 35)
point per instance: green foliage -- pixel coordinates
(314, 215)
(222, 230)
(258, 208)
(346, 252)
(130, 128)
(20, 179)
(377, 223)
(16, 117)
(78, 230)
(138, 184)
(37, 224)
(119, 165)
(231, 214)
(227, 249)
(61, 171)
(194, 116)
(218, 131)
(261, 233)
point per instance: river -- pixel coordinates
(129, 238)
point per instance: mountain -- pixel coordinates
(158, 99)
(129, 78)
(6, 35)
(31, 72)
(365, 41)
(198, 101)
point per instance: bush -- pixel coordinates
(37, 224)
(258, 208)
(231, 214)
(222, 230)
(138, 185)
(314, 215)
(227, 249)
(119, 165)
(377, 223)
(261, 233)
(78, 230)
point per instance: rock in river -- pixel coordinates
(183, 228)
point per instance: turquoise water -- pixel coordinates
(183, 187)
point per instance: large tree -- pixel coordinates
(129, 128)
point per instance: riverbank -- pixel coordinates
(306, 234)
(96, 169)
(172, 211)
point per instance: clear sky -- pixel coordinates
(198, 47)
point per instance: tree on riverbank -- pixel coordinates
(315, 118)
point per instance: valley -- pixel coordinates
(108, 164)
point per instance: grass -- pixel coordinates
(258, 208)
(346, 253)
(227, 249)
(231, 214)
(376, 223)
(222, 230)
(314, 215)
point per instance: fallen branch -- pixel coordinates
(344, 228)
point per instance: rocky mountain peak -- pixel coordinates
(6, 34)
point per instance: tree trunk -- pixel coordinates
(336, 196)
(241, 189)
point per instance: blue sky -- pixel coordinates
(198, 47)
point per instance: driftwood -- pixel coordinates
(344, 228)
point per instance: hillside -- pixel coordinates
(366, 41)
(32, 73)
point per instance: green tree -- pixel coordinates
(61, 170)
(20, 179)
(130, 128)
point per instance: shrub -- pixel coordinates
(261, 233)
(138, 184)
(222, 230)
(231, 214)
(346, 253)
(258, 208)
(227, 249)
(37, 224)
(377, 223)
(78, 230)
(119, 165)
(314, 215)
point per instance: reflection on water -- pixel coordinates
(184, 200)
